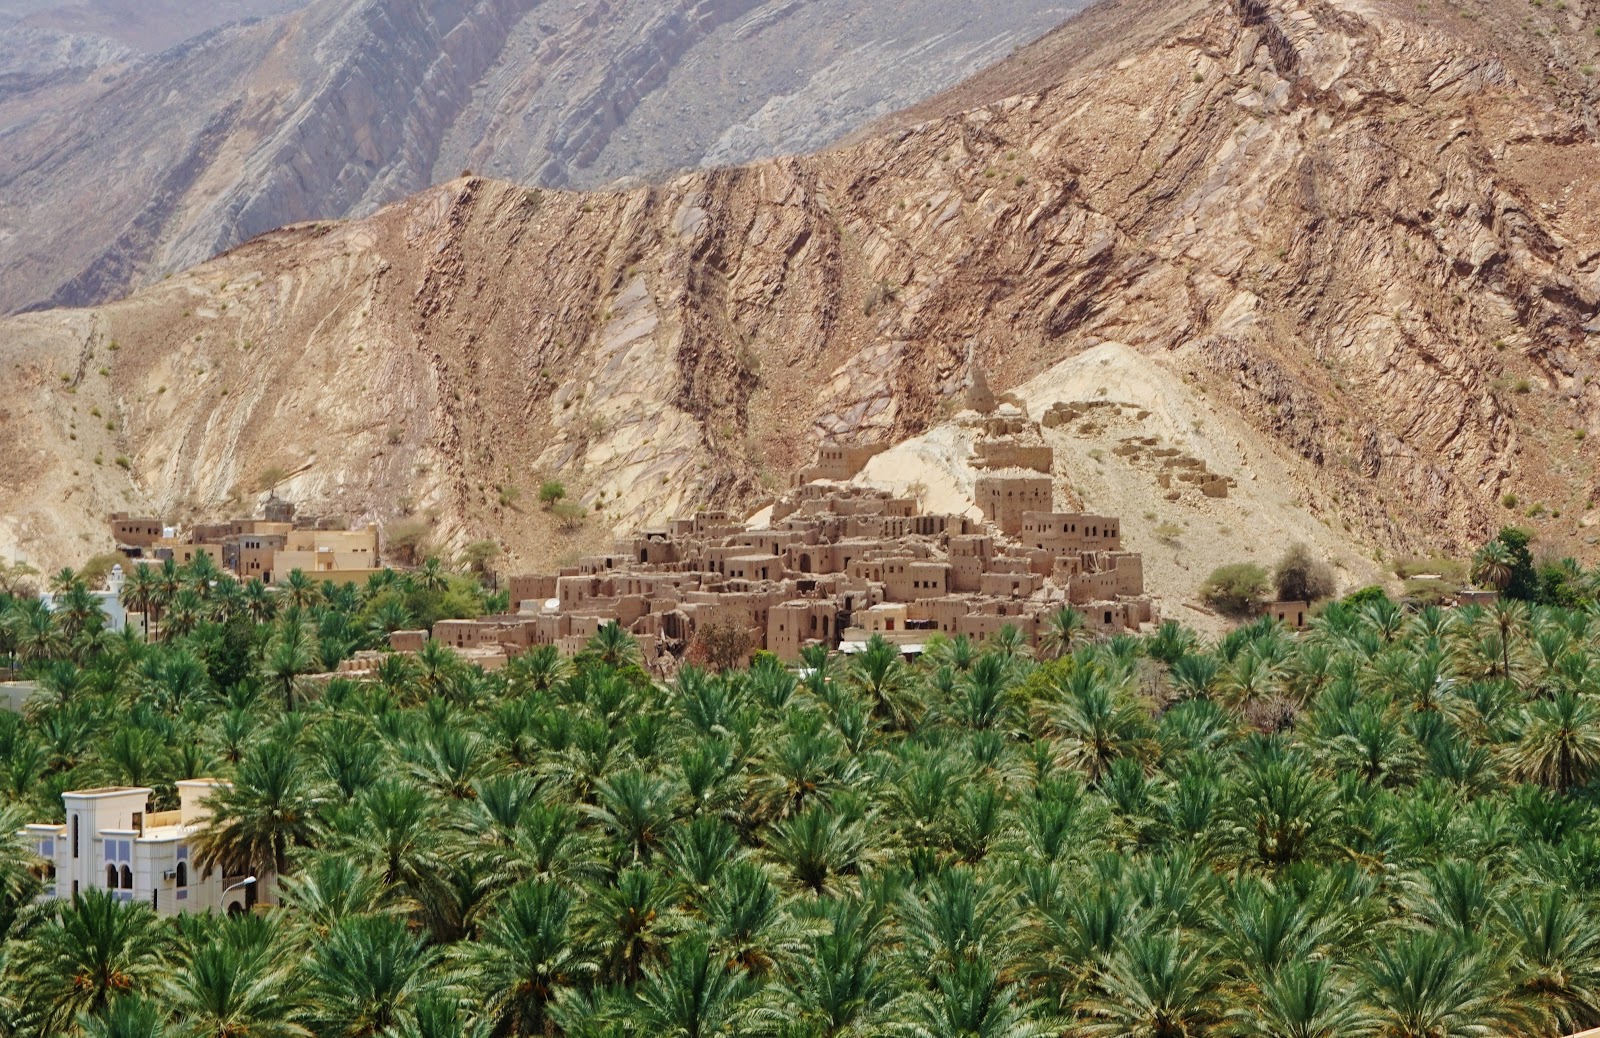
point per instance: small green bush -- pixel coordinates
(551, 491)
(570, 514)
(1235, 588)
(1371, 593)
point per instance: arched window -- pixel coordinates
(111, 877)
(127, 878)
(182, 874)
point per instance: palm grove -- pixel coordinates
(1384, 826)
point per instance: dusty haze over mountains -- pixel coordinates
(1341, 250)
(139, 137)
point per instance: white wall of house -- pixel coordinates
(112, 841)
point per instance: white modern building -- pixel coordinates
(110, 601)
(112, 840)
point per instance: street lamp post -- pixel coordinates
(230, 888)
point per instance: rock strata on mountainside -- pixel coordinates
(1358, 234)
(120, 168)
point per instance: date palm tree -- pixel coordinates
(299, 590)
(34, 632)
(259, 604)
(78, 612)
(270, 807)
(1426, 984)
(289, 656)
(1157, 984)
(333, 887)
(695, 993)
(540, 669)
(1097, 722)
(183, 614)
(525, 956)
(613, 646)
(880, 674)
(1302, 999)
(1558, 742)
(972, 1000)
(168, 582)
(1492, 566)
(129, 1016)
(635, 809)
(369, 977)
(202, 573)
(845, 984)
(90, 951)
(431, 575)
(235, 982)
(1065, 630)
(387, 617)
(1555, 949)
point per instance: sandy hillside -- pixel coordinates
(1105, 462)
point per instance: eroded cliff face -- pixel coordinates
(1366, 237)
(127, 169)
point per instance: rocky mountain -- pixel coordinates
(129, 154)
(1340, 249)
(141, 26)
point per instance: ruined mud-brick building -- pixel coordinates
(836, 565)
(269, 548)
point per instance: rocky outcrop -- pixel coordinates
(1377, 262)
(337, 108)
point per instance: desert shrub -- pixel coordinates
(1235, 588)
(269, 477)
(1370, 593)
(406, 541)
(569, 514)
(1301, 577)
(479, 554)
(1429, 590)
(719, 645)
(550, 492)
(94, 572)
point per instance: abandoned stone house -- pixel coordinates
(837, 565)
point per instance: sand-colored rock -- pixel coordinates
(118, 169)
(1350, 230)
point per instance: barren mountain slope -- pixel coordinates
(147, 26)
(1365, 238)
(116, 168)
